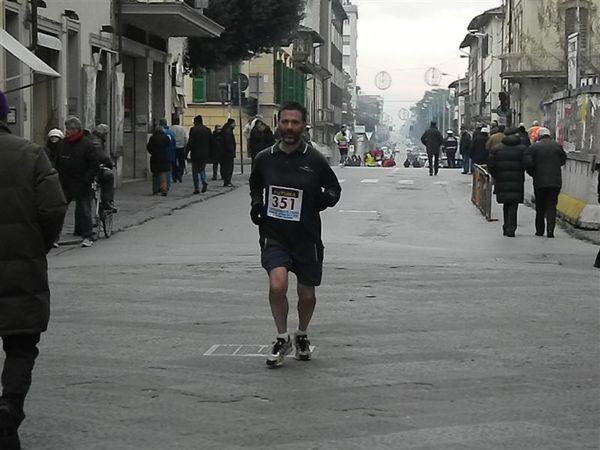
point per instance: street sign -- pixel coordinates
(369, 135)
(244, 82)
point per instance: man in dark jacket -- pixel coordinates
(479, 154)
(105, 175)
(524, 135)
(505, 164)
(32, 210)
(158, 147)
(77, 165)
(543, 161)
(261, 137)
(229, 147)
(465, 150)
(450, 146)
(432, 139)
(199, 148)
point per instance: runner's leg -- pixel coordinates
(278, 287)
(307, 301)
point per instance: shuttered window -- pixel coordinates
(199, 90)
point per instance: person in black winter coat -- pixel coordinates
(543, 161)
(505, 164)
(432, 139)
(216, 152)
(160, 163)
(524, 135)
(261, 137)
(465, 150)
(199, 149)
(479, 152)
(229, 148)
(32, 210)
(77, 165)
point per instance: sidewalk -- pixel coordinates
(592, 236)
(137, 205)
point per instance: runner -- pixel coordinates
(298, 184)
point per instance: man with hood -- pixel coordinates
(32, 210)
(77, 165)
(432, 139)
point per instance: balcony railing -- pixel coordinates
(517, 65)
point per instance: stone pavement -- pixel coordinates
(137, 205)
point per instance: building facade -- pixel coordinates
(118, 64)
(351, 49)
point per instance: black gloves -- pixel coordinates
(256, 214)
(326, 200)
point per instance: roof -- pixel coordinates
(468, 41)
(483, 19)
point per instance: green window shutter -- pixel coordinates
(235, 71)
(199, 90)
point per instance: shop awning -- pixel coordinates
(169, 18)
(24, 55)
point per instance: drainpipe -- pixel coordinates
(63, 69)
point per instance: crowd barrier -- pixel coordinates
(482, 190)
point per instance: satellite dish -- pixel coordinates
(383, 80)
(433, 76)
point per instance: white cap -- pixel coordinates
(485, 130)
(449, 132)
(543, 132)
(55, 132)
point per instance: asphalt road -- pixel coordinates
(432, 331)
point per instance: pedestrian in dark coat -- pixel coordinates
(524, 136)
(597, 262)
(160, 163)
(77, 165)
(216, 152)
(229, 147)
(32, 210)
(479, 152)
(505, 164)
(465, 150)
(543, 161)
(432, 139)
(199, 148)
(261, 137)
(55, 136)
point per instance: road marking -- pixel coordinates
(370, 180)
(406, 182)
(342, 181)
(396, 170)
(241, 350)
(441, 183)
(358, 211)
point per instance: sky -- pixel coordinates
(405, 38)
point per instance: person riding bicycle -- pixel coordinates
(105, 176)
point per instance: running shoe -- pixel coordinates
(87, 243)
(281, 348)
(302, 345)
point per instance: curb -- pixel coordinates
(182, 204)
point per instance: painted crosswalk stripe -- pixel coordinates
(406, 182)
(441, 183)
(358, 211)
(370, 180)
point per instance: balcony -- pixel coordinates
(169, 18)
(517, 66)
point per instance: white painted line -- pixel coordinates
(342, 181)
(225, 350)
(370, 180)
(358, 211)
(396, 170)
(441, 183)
(406, 182)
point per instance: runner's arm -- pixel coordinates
(332, 191)
(257, 184)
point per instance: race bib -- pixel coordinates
(285, 203)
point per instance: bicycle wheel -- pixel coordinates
(107, 224)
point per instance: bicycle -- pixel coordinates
(101, 217)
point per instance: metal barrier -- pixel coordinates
(483, 187)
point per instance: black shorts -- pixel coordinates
(305, 262)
